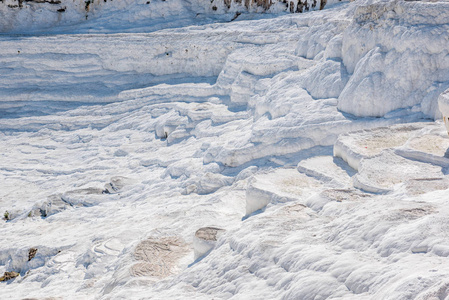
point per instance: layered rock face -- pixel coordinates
(31, 15)
(394, 63)
(296, 6)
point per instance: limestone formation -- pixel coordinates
(208, 233)
(158, 257)
(266, 4)
(443, 105)
(116, 184)
(205, 240)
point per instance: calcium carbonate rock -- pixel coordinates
(54, 204)
(23, 15)
(281, 82)
(394, 63)
(116, 184)
(443, 105)
(354, 146)
(372, 178)
(278, 186)
(205, 240)
(158, 257)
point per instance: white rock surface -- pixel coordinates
(371, 178)
(205, 240)
(122, 134)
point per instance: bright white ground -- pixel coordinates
(116, 148)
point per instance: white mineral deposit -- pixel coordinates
(224, 149)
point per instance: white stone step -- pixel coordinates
(431, 146)
(328, 169)
(354, 146)
(380, 174)
(278, 186)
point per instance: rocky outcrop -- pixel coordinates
(26, 15)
